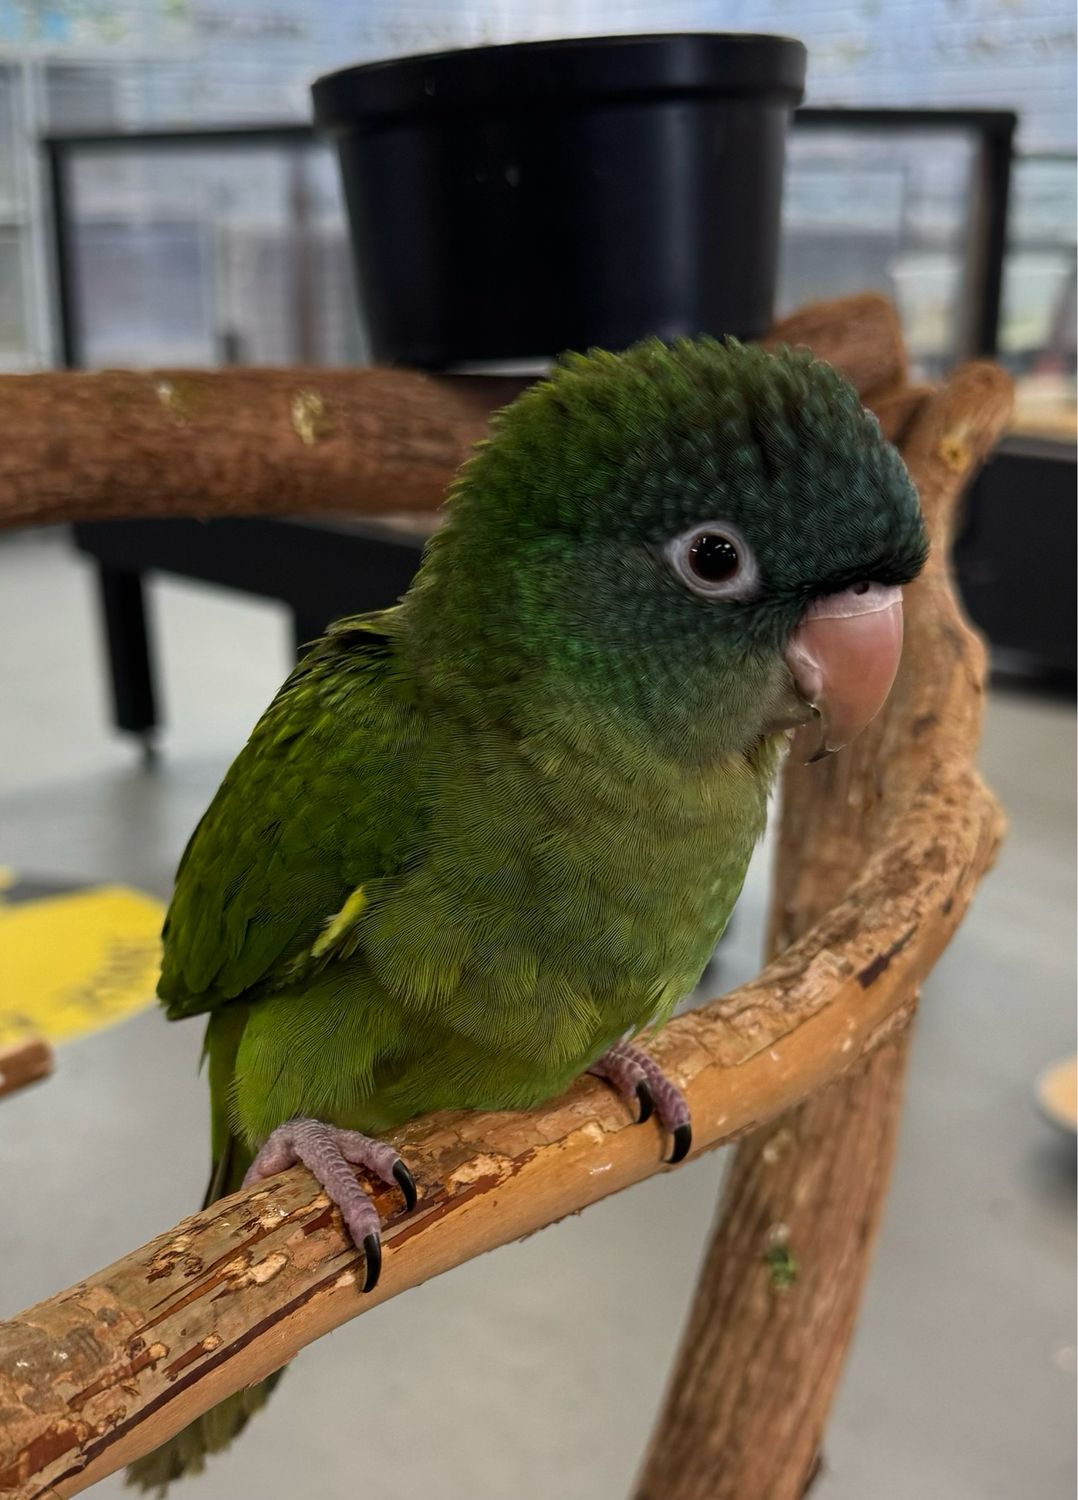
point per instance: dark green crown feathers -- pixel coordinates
(669, 433)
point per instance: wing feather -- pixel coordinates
(316, 803)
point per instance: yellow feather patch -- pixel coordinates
(338, 925)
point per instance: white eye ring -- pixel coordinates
(685, 555)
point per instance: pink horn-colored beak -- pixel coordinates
(844, 656)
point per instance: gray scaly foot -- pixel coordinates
(329, 1153)
(638, 1077)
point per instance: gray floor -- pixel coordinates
(535, 1373)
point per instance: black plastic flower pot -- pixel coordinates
(506, 203)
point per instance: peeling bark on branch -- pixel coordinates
(108, 1369)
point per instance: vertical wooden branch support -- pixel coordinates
(780, 1290)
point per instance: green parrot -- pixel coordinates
(479, 840)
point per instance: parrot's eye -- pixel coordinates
(713, 558)
(715, 561)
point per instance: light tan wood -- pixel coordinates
(107, 1370)
(760, 1361)
(23, 1063)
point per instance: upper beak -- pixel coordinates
(844, 656)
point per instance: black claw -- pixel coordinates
(646, 1101)
(682, 1144)
(372, 1249)
(406, 1183)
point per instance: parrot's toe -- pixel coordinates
(329, 1153)
(636, 1076)
(406, 1183)
(372, 1252)
(646, 1100)
(682, 1144)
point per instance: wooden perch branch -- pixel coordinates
(98, 446)
(105, 1371)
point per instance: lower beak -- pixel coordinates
(844, 656)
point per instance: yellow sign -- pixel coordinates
(76, 962)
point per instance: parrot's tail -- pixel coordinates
(186, 1453)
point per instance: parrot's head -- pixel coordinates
(700, 542)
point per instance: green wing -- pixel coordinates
(317, 803)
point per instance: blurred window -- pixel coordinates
(14, 331)
(887, 212)
(1037, 337)
(211, 255)
(9, 134)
